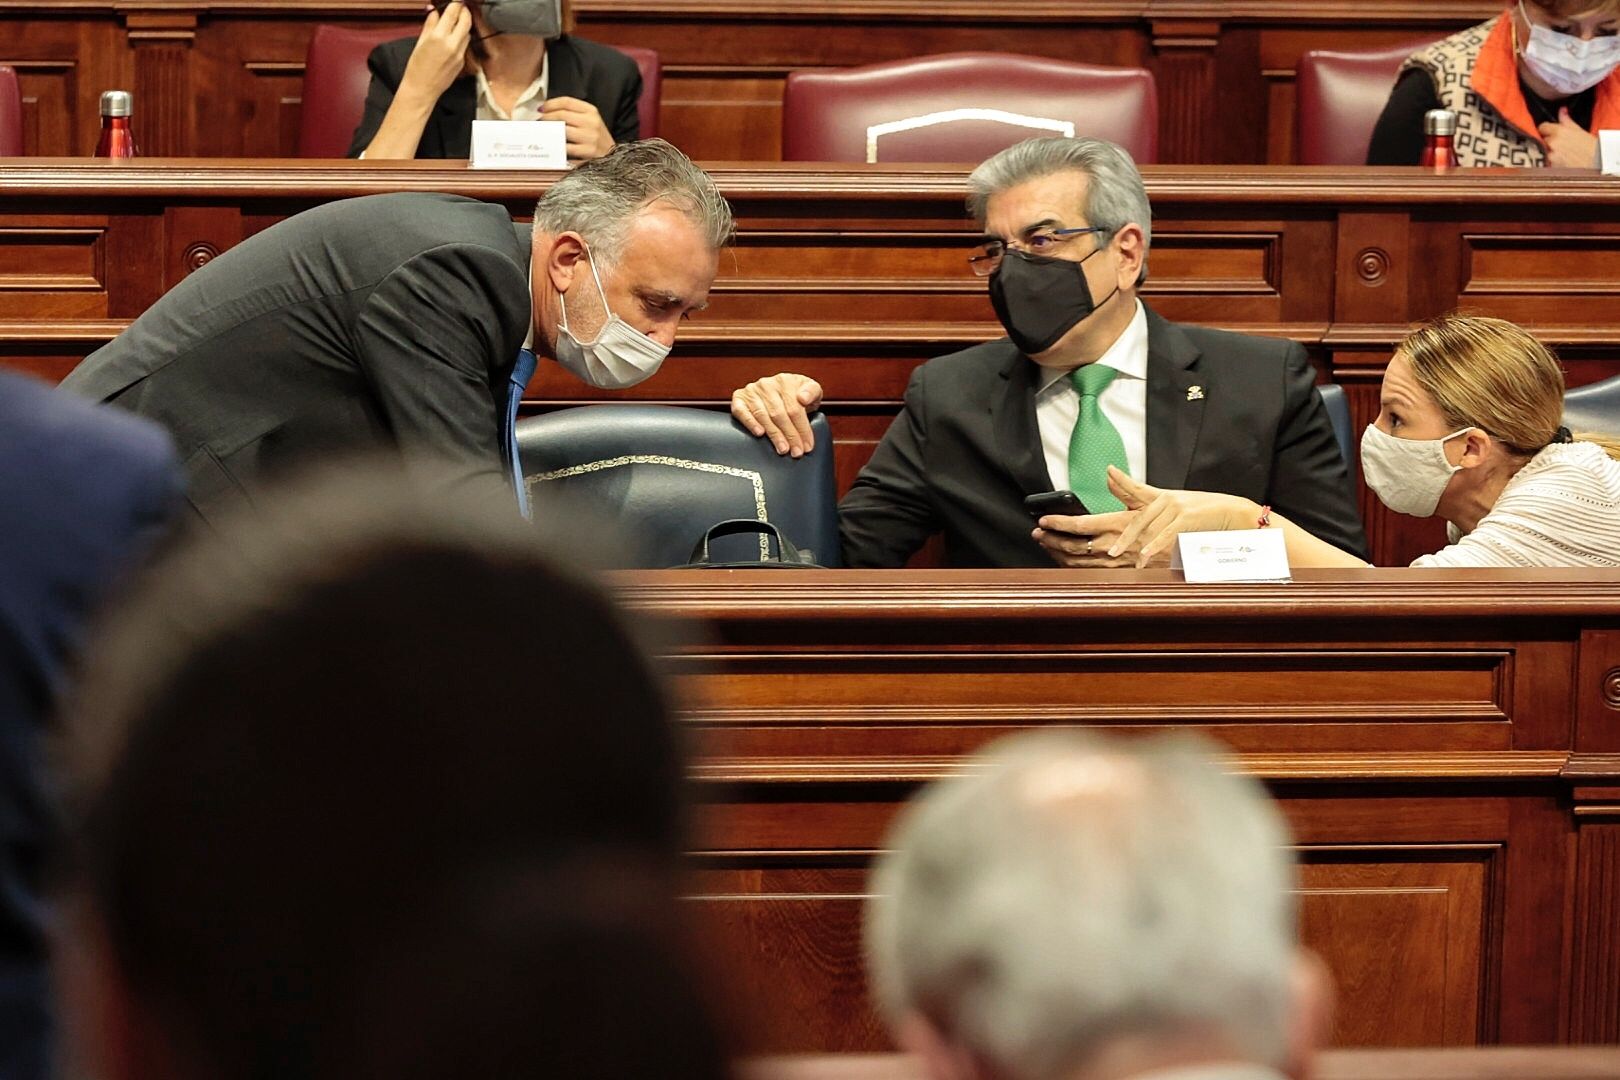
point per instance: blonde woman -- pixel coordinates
(1469, 428)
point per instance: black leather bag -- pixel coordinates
(788, 557)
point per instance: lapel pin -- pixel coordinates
(1195, 393)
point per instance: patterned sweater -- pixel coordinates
(1561, 509)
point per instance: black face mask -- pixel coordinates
(1039, 298)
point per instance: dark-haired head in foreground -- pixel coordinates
(304, 734)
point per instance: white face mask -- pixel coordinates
(619, 357)
(1566, 63)
(1407, 475)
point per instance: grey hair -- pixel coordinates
(599, 198)
(1115, 196)
(1071, 889)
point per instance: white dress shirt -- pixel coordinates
(528, 103)
(1124, 402)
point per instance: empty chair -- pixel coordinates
(1340, 95)
(11, 136)
(335, 83)
(1594, 407)
(663, 476)
(963, 107)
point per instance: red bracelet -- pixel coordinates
(1265, 518)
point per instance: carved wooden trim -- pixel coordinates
(1327, 768)
(917, 185)
(1021, 596)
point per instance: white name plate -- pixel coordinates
(519, 144)
(1240, 555)
(1609, 152)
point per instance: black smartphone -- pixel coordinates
(1054, 502)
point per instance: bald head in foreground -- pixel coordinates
(1082, 908)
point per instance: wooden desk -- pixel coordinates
(225, 77)
(1490, 1063)
(854, 275)
(1446, 745)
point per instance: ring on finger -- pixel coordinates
(1088, 545)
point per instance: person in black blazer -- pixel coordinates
(1067, 228)
(83, 492)
(511, 61)
(410, 323)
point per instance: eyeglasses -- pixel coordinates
(986, 258)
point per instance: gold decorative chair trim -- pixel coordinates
(754, 479)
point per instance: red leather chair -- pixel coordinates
(963, 107)
(336, 79)
(1339, 98)
(652, 86)
(335, 84)
(11, 133)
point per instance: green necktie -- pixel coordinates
(1095, 444)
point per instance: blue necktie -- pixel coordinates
(522, 371)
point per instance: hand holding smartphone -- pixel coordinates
(1066, 503)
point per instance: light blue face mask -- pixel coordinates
(536, 18)
(1566, 63)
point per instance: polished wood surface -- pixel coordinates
(1445, 744)
(225, 77)
(1481, 1063)
(855, 274)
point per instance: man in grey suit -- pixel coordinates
(1072, 906)
(412, 323)
(1088, 376)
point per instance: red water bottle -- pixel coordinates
(117, 138)
(1439, 128)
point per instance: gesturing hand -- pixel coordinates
(1569, 146)
(779, 407)
(1160, 516)
(588, 136)
(440, 55)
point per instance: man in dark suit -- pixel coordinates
(1087, 377)
(426, 91)
(412, 322)
(82, 491)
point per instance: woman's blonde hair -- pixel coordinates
(1574, 9)
(1492, 374)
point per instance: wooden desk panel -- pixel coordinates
(1445, 744)
(854, 275)
(225, 77)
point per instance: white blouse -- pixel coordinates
(1561, 509)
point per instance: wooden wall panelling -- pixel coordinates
(1446, 878)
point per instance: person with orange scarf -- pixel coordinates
(1531, 87)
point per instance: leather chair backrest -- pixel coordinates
(652, 86)
(963, 107)
(11, 133)
(1338, 410)
(1594, 407)
(335, 82)
(1339, 97)
(662, 476)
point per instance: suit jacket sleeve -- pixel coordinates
(625, 123)
(1310, 484)
(432, 338)
(385, 79)
(888, 513)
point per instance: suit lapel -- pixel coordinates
(1175, 403)
(565, 74)
(1018, 436)
(457, 110)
